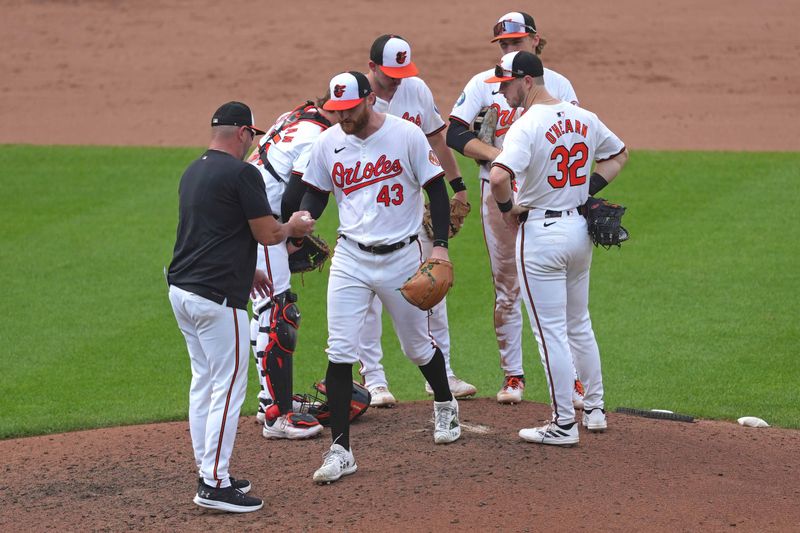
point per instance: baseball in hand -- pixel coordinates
(305, 218)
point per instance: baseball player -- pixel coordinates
(223, 214)
(376, 166)
(548, 152)
(282, 155)
(513, 32)
(399, 92)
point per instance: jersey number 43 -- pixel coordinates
(569, 163)
(391, 194)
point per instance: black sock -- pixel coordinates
(436, 374)
(339, 385)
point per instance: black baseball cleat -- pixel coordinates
(239, 484)
(228, 499)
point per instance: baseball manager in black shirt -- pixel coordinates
(223, 214)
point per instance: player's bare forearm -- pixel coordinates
(477, 149)
(267, 230)
(500, 181)
(440, 252)
(610, 168)
(445, 155)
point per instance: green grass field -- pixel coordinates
(698, 313)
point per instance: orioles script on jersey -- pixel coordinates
(349, 180)
(565, 126)
(505, 118)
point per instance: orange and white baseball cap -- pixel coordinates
(393, 55)
(517, 65)
(513, 26)
(348, 89)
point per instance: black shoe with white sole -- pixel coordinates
(226, 499)
(239, 484)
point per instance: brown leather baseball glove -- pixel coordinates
(429, 284)
(458, 212)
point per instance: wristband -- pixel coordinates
(458, 185)
(596, 183)
(505, 207)
(440, 242)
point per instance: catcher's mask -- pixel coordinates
(316, 403)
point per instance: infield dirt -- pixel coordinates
(712, 75)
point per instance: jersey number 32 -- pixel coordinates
(569, 162)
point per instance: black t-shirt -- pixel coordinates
(215, 252)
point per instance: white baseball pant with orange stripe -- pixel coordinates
(356, 278)
(217, 338)
(553, 264)
(500, 243)
(370, 351)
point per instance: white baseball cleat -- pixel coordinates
(446, 428)
(552, 434)
(263, 403)
(595, 420)
(458, 387)
(577, 395)
(511, 391)
(337, 462)
(381, 397)
(292, 426)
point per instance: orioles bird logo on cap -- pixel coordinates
(338, 90)
(401, 57)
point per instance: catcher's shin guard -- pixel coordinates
(284, 323)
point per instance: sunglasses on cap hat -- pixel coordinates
(500, 72)
(509, 26)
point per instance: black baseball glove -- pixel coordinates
(605, 222)
(311, 256)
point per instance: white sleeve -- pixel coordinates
(516, 155)
(424, 164)
(607, 144)
(432, 120)
(316, 173)
(303, 150)
(471, 101)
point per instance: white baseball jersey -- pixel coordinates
(478, 94)
(413, 101)
(377, 181)
(549, 152)
(288, 156)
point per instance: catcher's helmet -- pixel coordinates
(316, 403)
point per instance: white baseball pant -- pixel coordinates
(217, 340)
(370, 352)
(356, 278)
(500, 243)
(274, 260)
(553, 264)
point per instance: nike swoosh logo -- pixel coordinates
(495, 92)
(548, 224)
(337, 150)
